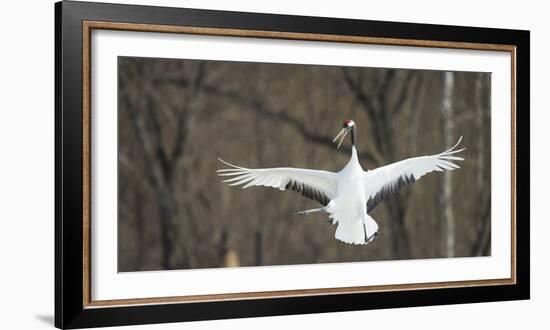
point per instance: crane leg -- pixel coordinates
(305, 213)
(371, 237)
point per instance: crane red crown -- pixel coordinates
(348, 123)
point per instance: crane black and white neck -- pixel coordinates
(348, 196)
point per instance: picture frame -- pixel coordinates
(74, 24)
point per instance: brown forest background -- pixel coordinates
(176, 117)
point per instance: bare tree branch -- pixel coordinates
(355, 87)
(368, 104)
(405, 91)
(183, 116)
(414, 116)
(259, 106)
(482, 244)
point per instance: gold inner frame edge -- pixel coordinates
(88, 26)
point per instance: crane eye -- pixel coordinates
(347, 123)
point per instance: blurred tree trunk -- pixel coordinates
(446, 208)
(258, 248)
(161, 161)
(482, 243)
(260, 195)
(480, 126)
(139, 202)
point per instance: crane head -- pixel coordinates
(347, 126)
(348, 123)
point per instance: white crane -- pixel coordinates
(349, 195)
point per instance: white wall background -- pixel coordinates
(27, 169)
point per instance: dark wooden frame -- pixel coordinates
(73, 24)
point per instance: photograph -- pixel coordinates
(242, 164)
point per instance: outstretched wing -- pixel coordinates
(313, 184)
(387, 180)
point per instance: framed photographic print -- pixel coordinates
(384, 164)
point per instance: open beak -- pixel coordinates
(341, 136)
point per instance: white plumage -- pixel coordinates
(349, 195)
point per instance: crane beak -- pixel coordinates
(341, 136)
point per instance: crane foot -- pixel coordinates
(305, 213)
